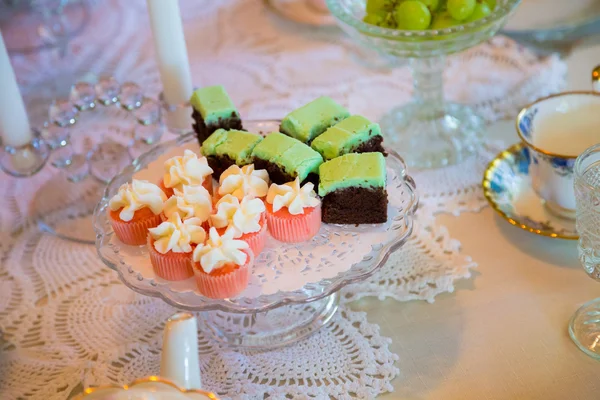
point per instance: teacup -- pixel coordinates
(550, 169)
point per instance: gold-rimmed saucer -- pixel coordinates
(507, 187)
(148, 387)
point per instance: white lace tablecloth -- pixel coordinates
(65, 318)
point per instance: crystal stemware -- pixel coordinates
(584, 327)
(36, 25)
(429, 131)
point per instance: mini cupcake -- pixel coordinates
(244, 181)
(135, 208)
(246, 219)
(222, 265)
(171, 244)
(293, 212)
(188, 169)
(191, 202)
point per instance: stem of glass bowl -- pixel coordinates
(429, 132)
(428, 84)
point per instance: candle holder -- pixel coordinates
(90, 137)
(177, 117)
(26, 160)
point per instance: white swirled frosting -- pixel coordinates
(245, 181)
(240, 217)
(135, 196)
(176, 235)
(188, 169)
(190, 202)
(219, 251)
(293, 197)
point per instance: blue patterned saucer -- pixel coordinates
(507, 187)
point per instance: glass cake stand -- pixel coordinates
(430, 131)
(294, 288)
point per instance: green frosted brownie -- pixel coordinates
(355, 134)
(225, 148)
(353, 188)
(286, 158)
(213, 109)
(310, 120)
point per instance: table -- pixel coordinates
(503, 333)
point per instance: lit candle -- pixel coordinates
(171, 53)
(14, 124)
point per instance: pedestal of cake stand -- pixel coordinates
(279, 327)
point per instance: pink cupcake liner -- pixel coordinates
(224, 286)
(170, 266)
(256, 240)
(295, 228)
(134, 233)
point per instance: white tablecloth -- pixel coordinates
(503, 334)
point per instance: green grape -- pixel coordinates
(378, 6)
(442, 20)
(461, 9)
(412, 15)
(389, 21)
(375, 6)
(491, 4)
(432, 5)
(481, 10)
(374, 19)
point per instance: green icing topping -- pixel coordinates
(352, 170)
(209, 146)
(213, 102)
(273, 146)
(346, 135)
(295, 157)
(300, 160)
(312, 119)
(238, 145)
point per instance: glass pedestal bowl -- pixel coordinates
(429, 131)
(294, 288)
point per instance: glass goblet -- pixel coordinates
(429, 132)
(584, 327)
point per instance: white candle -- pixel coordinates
(14, 124)
(171, 53)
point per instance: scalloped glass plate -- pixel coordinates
(283, 273)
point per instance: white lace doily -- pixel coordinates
(67, 325)
(63, 315)
(427, 265)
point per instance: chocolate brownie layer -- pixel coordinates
(355, 205)
(203, 131)
(278, 174)
(219, 164)
(370, 146)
